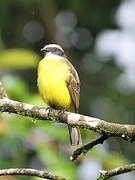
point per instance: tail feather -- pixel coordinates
(75, 136)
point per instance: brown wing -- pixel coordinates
(74, 86)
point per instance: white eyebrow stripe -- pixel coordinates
(54, 46)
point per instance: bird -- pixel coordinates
(59, 84)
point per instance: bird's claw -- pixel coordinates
(62, 111)
(49, 109)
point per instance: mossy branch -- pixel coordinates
(106, 129)
(30, 172)
(126, 132)
(116, 171)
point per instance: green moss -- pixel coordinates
(52, 118)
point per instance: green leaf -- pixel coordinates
(18, 58)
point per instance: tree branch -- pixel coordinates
(84, 149)
(126, 132)
(30, 172)
(116, 171)
(107, 130)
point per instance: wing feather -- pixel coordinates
(73, 84)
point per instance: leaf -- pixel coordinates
(18, 58)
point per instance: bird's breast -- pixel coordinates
(52, 83)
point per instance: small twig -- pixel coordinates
(30, 172)
(2, 91)
(116, 171)
(87, 147)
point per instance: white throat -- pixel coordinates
(50, 55)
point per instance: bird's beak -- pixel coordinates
(43, 49)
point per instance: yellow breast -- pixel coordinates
(52, 77)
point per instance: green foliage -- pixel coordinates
(114, 160)
(16, 88)
(45, 145)
(18, 58)
(56, 162)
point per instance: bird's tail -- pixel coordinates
(75, 136)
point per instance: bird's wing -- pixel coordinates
(73, 84)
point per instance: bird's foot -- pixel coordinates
(62, 111)
(49, 109)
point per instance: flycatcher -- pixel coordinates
(59, 84)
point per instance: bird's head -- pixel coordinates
(55, 49)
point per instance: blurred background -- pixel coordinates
(99, 39)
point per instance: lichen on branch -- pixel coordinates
(106, 129)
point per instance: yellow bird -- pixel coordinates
(59, 84)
